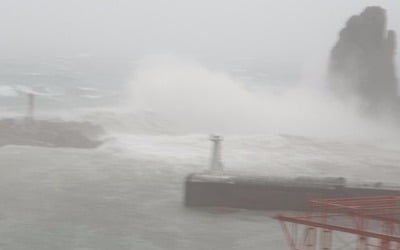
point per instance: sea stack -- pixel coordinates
(362, 62)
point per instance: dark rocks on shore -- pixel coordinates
(362, 62)
(49, 133)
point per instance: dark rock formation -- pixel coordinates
(362, 61)
(49, 133)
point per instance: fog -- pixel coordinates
(106, 108)
(197, 99)
(278, 31)
(289, 36)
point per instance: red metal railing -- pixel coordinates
(374, 221)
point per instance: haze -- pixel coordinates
(106, 107)
(279, 31)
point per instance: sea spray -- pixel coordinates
(200, 100)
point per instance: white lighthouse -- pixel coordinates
(216, 166)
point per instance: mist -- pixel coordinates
(200, 100)
(278, 31)
(107, 107)
(289, 40)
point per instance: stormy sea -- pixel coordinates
(157, 114)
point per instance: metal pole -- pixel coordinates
(31, 106)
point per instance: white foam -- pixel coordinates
(269, 155)
(7, 91)
(200, 100)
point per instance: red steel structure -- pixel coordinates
(367, 223)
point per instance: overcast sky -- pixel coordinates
(279, 29)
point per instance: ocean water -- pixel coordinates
(127, 194)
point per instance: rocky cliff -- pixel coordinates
(362, 62)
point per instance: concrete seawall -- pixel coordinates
(271, 193)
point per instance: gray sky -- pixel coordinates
(280, 29)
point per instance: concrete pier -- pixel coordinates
(217, 188)
(272, 193)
